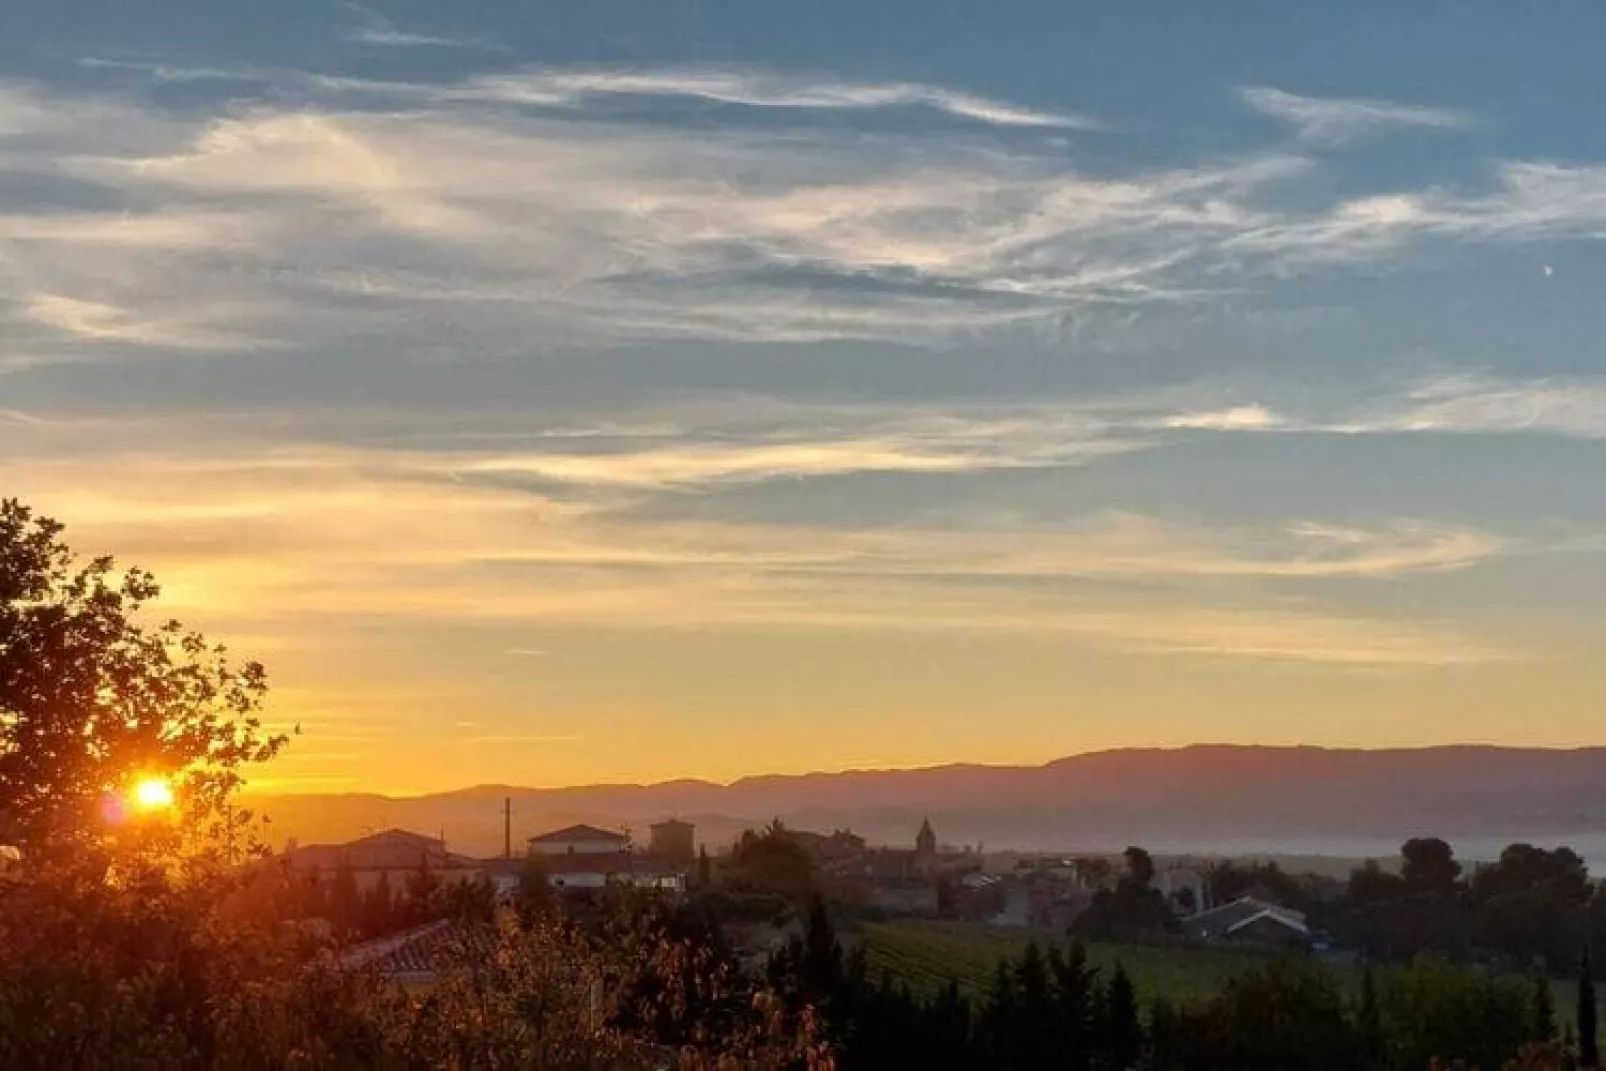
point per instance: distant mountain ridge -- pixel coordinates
(1206, 797)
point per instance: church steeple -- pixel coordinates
(925, 840)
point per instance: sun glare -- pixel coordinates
(153, 794)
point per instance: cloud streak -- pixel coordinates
(1330, 121)
(523, 200)
(1456, 404)
(304, 535)
(751, 88)
(375, 29)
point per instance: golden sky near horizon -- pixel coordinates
(729, 401)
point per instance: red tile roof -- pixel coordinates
(423, 951)
(579, 833)
(393, 849)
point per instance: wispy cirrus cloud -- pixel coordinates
(1464, 403)
(98, 322)
(287, 537)
(932, 445)
(1331, 121)
(521, 201)
(627, 230)
(1252, 417)
(751, 87)
(1480, 404)
(375, 29)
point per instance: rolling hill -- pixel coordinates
(1205, 798)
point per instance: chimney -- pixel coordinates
(507, 827)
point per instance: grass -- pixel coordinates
(926, 957)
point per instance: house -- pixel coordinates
(580, 858)
(1039, 901)
(580, 871)
(673, 840)
(579, 840)
(418, 956)
(394, 854)
(1251, 920)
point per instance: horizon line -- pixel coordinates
(597, 786)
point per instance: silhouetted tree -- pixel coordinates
(949, 1028)
(1074, 984)
(1122, 1032)
(1544, 1010)
(999, 1020)
(705, 867)
(1410, 926)
(1370, 884)
(1034, 1043)
(379, 914)
(345, 898)
(1369, 1022)
(771, 862)
(1163, 1035)
(821, 964)
(313, 898)
(1093, 871)
(1132, 908)
(1429, 866)
(1287, 1016)
(1139, 866)
(91, 698)
(1438, 1010)
(422, 902)
(1588, 1028)
(533, 897)
(1531, 904)
(471, 901)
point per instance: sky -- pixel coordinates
(557, 393)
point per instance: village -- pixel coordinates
(961, 888)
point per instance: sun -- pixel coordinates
(153, 794)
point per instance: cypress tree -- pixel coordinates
(948, 1023)
(998, 1020)
(1162, 1033)
(820, 964)
(379, 908)
(1588, 1030)
(1074, 990)
(1544, 1011)
(1369, 1021)
(1123, 1033)
(1036, 1034)
(345, 899)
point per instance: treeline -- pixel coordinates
(1532, 906)
(1049, 1009)
(1293, 1015)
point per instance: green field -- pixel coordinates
(926, 957)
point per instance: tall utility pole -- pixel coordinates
(507, 827)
